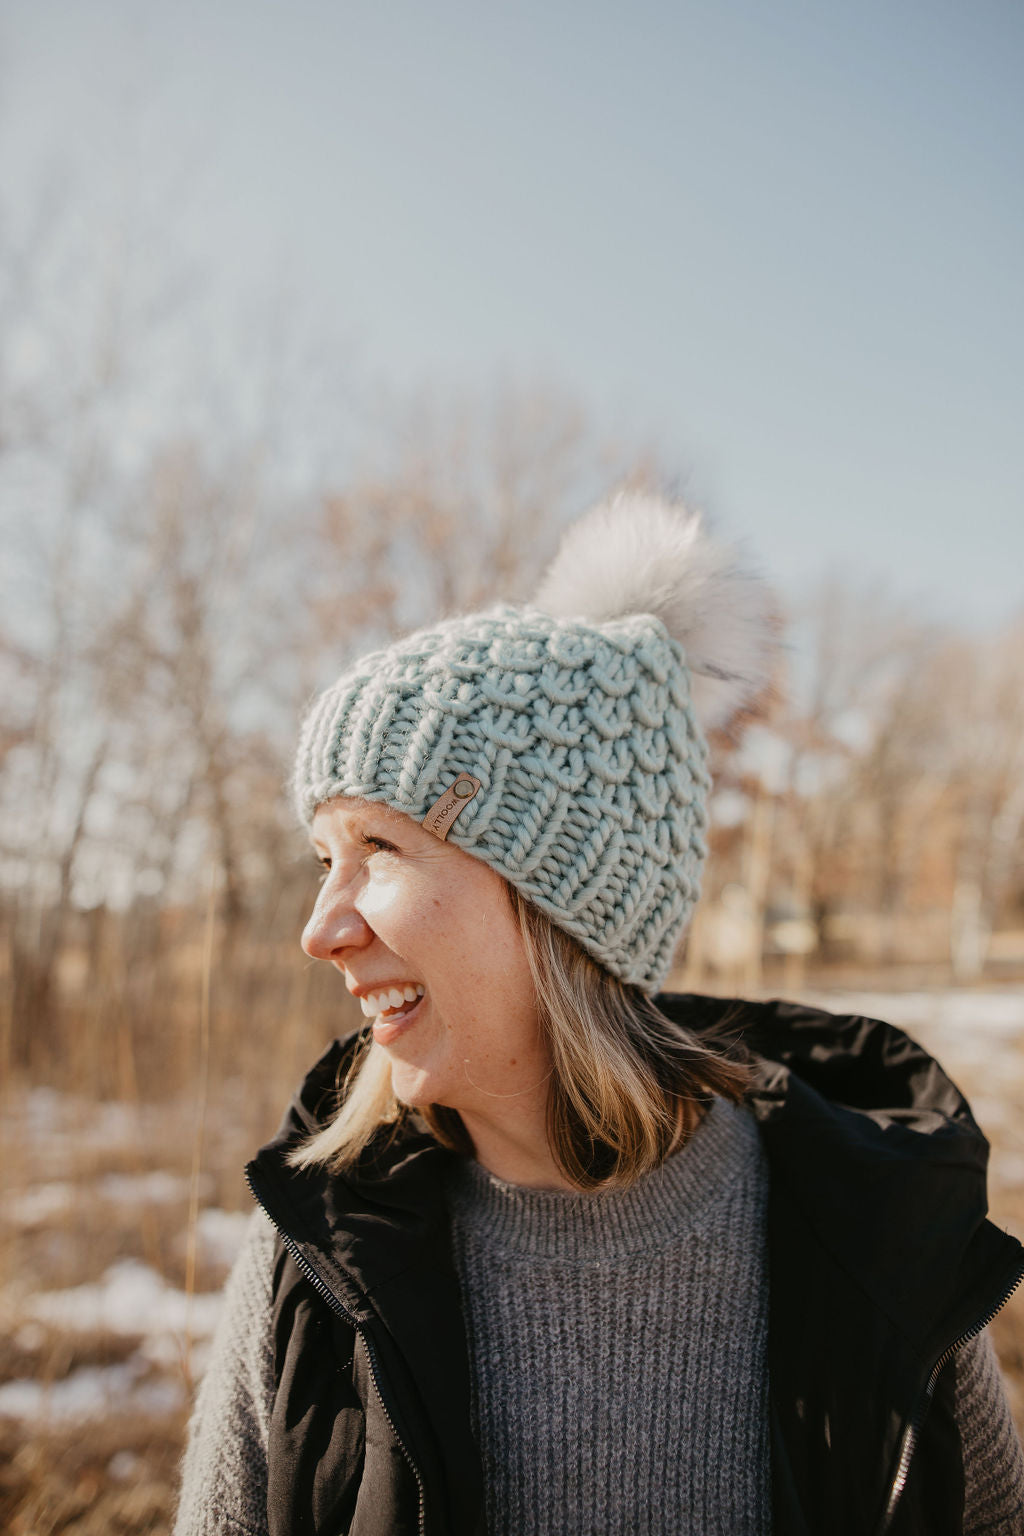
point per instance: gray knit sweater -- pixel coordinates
(617, 1344)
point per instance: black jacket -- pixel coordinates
(881, 1265)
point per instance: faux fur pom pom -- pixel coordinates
(638, 553)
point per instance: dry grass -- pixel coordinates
(106, 1163)
(118, 1476)
(106, 1471)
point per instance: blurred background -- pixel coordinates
(319, 321)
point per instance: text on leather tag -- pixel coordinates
(447, 806)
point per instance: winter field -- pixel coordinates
(115, 1237)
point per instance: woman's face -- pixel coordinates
(426, 938)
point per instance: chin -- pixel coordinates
(412, 1086)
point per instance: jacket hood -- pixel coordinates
(877, 1149)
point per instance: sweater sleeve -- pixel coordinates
(224, 1473)
(993, 1462)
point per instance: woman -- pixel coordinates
(546, 1252)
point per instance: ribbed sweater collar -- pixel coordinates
(659, 1208)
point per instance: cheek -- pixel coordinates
(495, 959)
(402, 913)
(379, 897)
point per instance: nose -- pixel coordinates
(335, 924)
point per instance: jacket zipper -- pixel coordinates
(913, 1428)
(323, 1290)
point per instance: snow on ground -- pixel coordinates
(52, 1118)
(51, 1132)
(156, 1188)
(221, 1234)
(46, 1202)
(94, 1392)
(36, 1206)
(65, 1130)
(131, 1298)
(57, 1155)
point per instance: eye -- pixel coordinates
(376, 844)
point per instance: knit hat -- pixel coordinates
(560, 742)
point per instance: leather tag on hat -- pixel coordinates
(447, 806)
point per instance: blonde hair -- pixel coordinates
(628, 1085)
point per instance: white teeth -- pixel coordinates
(375, 1003)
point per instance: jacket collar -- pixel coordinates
(869, 1137)
(377, 1238)
(361, 1229)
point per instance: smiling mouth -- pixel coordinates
(391, 1001)
(389, 1025)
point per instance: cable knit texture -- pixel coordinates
(593, 767)
(541, 1348)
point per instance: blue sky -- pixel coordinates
(783, 241)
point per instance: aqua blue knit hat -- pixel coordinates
(560, 742)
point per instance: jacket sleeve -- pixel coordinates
(224, 1473)
(993, 1462)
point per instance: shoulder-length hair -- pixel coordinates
(627, 1087)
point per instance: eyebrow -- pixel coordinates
(388, 815)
